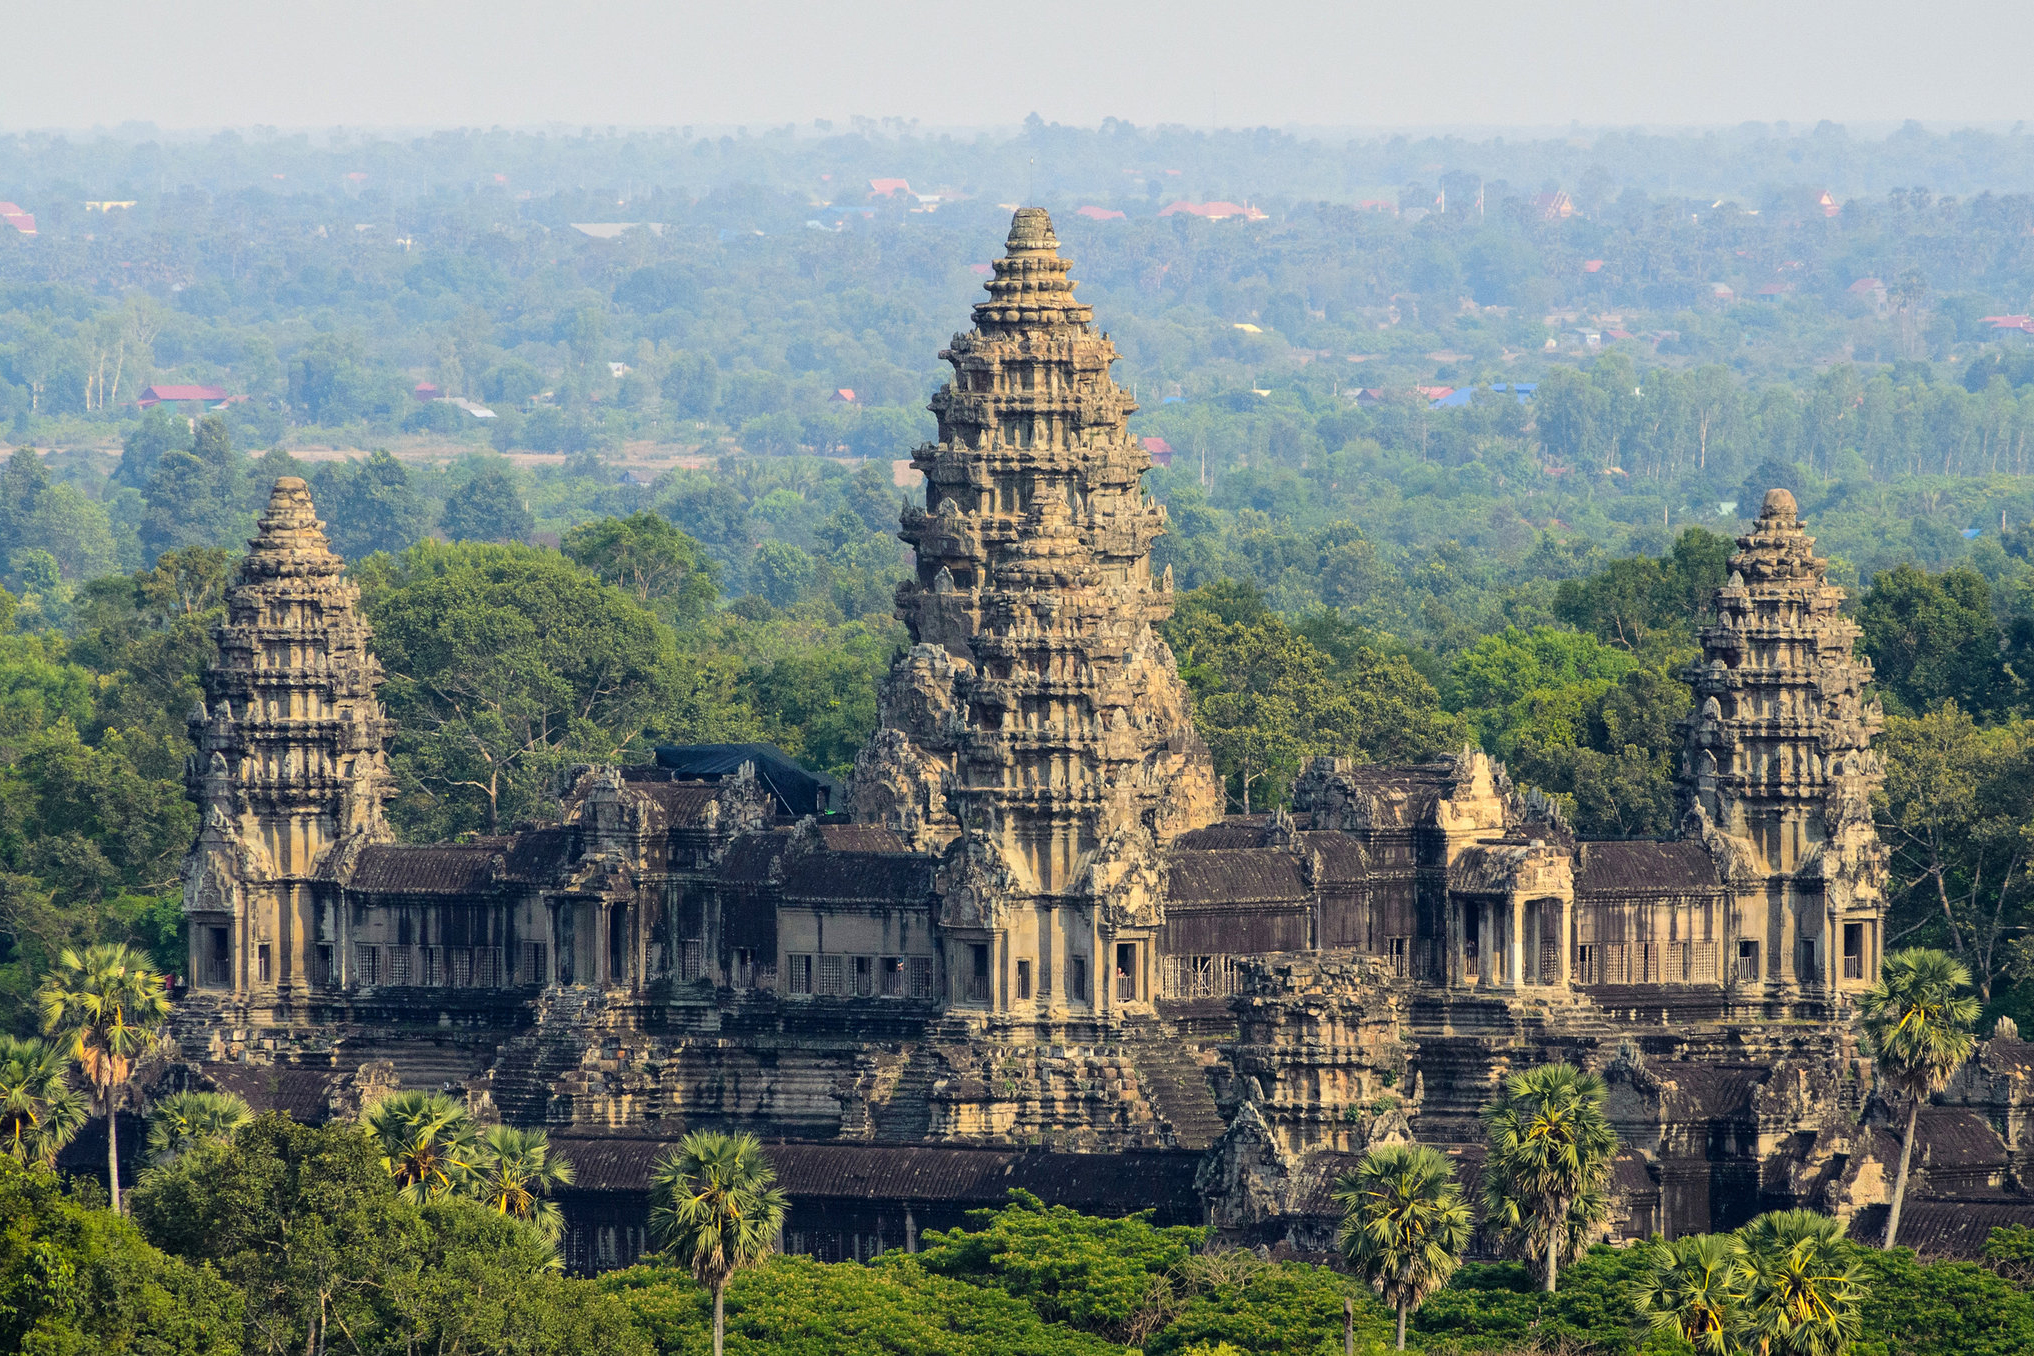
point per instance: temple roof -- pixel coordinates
(1112, 1184)
(1644, 868)
(1249, 876)
(444, 869)
(858, 877)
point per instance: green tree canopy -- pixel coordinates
(505, 662)
(369, 505)
(75, 1279)
(648, 558)
(1933, 638)
(488, 507)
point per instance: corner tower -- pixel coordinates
(1777, 771)
(290, 773)
(1037, 729)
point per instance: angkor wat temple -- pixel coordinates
(1033, 950)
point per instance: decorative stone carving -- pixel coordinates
(293, 787)
(1037, 714)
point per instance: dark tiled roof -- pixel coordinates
(300, 1094)
(1231, 834)
(749, 858)
(1258, 875)
(446, 869)
(861, 838)
(859, 876)
(1342, 855)
(1644, 867)
(1949, 1138)
(681, 802)
(538, 854)
(1102, 1183)
(1943, 1229)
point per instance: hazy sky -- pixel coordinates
(410, 63)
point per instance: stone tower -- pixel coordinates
(1778, 771)
(290, 775)
(1037, 729)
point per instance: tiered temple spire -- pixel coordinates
(290, 772)
(1778, 768)
(1038, 710)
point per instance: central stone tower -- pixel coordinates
(1037, 730)
(1778, 770)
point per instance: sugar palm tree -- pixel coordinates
(428, 1143)
(1404, 1225)
(40, 1112)
(714, 1207)
(182, 1121)
(1689, 1289)
(1917, 1025)
(514, 1170)
(107, 1010)
(1548, 1167)
(1798, 1285)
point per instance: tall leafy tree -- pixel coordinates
(648, 558)
(107, 1009)
(488, 507)
(715, 1207)
(1689, 1290)
(40, 1112)
(193, 497)
(514, 1173)
(1548, 1170)
(1958, 796)
(182, 1121)
(1933, 638)
(1404, 1224)
(370, 505)
(1800, 1290)
(1917, 1022)
(505, 662)
(428, 1143)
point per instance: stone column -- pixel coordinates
(1514, 941)
(1565, 945)
(1456, 959)
(1486, 921)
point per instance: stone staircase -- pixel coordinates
(534, 1060)
(904, 1116)
(1177, 1088)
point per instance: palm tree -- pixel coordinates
(1405, 1225)
(1799, 1291)
(714, 1206)
(107, 1008)
(513, 1172)
(1917, 1025)
(428, 1143)
(1549, 1163)
(40, 1112)
(1689, 1289)
(182, 1121)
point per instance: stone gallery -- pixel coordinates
(1024, 946)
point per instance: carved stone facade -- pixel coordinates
(1036, 930)
(290, 775)
(1038, 730)
(1778, 770)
